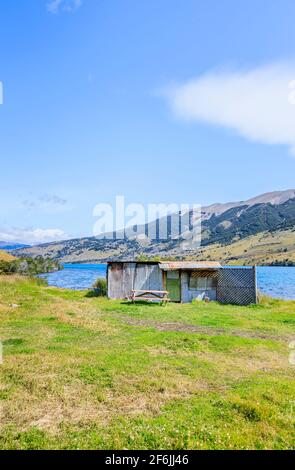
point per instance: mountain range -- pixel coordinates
(8, 246)
(260, 230)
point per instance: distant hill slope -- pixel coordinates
(274, 198)
(8, 246)
(4, 256)
(264, 249)
(243, 221)
(222, 224)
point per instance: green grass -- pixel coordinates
(89, 373)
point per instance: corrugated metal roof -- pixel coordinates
(174, 265)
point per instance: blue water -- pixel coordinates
(277, 281)
(274, 281)
(76, 276)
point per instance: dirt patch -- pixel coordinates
(206, 330)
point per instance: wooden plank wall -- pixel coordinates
(115, 281)
(128, 278)
(123, 277)
(148, 276)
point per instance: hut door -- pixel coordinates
(173, 285)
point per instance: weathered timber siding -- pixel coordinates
(148, 277)
(123, 277)
(128, 278)
(115, 281)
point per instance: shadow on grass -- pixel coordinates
(94, 293)
(140, 303)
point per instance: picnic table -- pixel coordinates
(150, 295)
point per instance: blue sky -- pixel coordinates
(141, 99)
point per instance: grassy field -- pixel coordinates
(88, 373)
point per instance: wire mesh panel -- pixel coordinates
(237, 286)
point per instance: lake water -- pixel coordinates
(273, 281)
(76, 276)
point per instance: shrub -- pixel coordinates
(100, 287)
(38, 281)
(29, 266)
(8, 267)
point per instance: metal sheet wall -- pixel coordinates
(188, 294)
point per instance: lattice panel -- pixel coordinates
(236, 286)
(203, 273)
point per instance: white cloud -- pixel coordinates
(55, 6)
(31, 236)
(258, 104)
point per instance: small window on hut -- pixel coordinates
(201, 282)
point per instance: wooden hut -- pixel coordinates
(184, 281)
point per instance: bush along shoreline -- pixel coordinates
(30, 266)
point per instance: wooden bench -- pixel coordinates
(150, 296)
